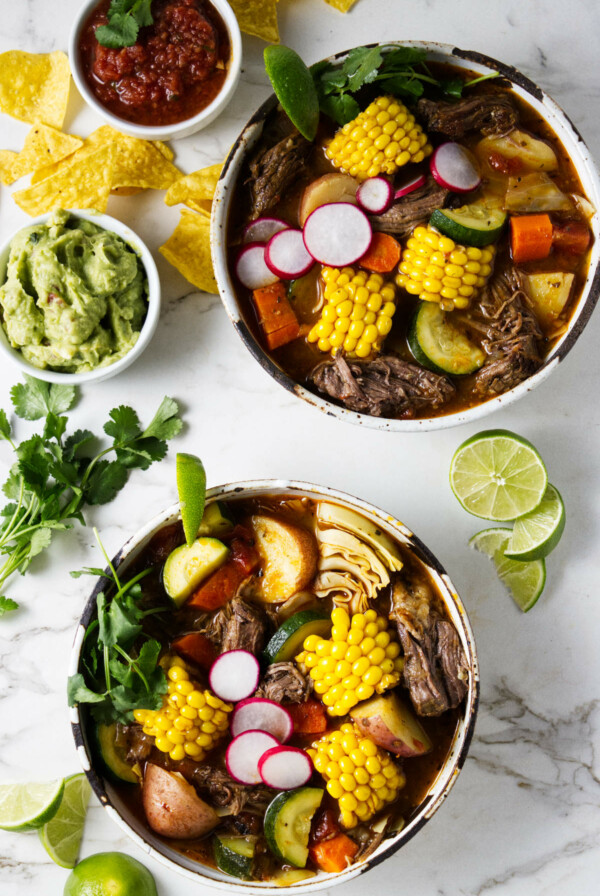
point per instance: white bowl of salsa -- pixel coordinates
(174, 80)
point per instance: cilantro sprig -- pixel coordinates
(125, 18)
(401, 71)
(56, 475)
(120, 663)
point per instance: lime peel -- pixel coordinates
(294, 88)
(61, 835)
(538, 532)
(191, 489)
(524, 580)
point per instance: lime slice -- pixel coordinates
(294, 88)
(524, 581)
(25, 807)
(110, 874)
(539, 531)
(62, 835)
(191, 488)
(498, 475)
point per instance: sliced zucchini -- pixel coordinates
(112, 761)
(234, 855)
(186, 567)
(471, 225)
(438, 345)
(287, 823)
(216, 520)
(289, 637)
(288, 876)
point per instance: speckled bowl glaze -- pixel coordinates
(440, 789)
(579, 153)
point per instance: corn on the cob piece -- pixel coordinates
(191, 721)
(357, 314)
(436, 269)
(359, 775)
(379, 140)
(361, 657)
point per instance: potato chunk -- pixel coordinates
(289, 558)
(172, 806)
(392, 725)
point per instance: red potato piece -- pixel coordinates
(329, 188)
(392, 725)
(172, 806)
(289, 558)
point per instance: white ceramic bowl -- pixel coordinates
(447, 775)
(149, 325)
(168, 131)
(588, 174)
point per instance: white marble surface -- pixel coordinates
(524, 817)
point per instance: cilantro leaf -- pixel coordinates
(33, 464)
(87, 571)
(34, 398)
(78, 691)
(7, 605)
(121, 31)
(361, 66)
(76, 441)
(40, 539)
(124, 424)
(166, 423)
(5, 428)
(54, 427)
(106, 480)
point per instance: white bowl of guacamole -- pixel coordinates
(79, 297)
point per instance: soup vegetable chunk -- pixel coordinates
(424, 252)
(304, 686)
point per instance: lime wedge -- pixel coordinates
(62, 835)
(537, 533)
(294, 88)
(25, 807)
(191, 488)
(524, 580)
(498, 475)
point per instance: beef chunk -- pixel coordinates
(225, 793)
(489, 113)
(511, 335)
(237, 626)
(132, 740)
(435, 667)
(411, 210)
(384, 387)
(283, 681)
(274, 169)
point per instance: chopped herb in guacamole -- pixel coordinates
(75, 295)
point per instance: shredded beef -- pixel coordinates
(384, 387)
(511, 335)
(227, 794)
(274, 169)
(411, 210)
(283, 681)
(132, 740)
(489, 113)
(237, 626)
(435, 667)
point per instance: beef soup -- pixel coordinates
(316, 684)
(479, 254)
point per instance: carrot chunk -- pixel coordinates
(335, 854)
(275, 315)
(530, 237)
(383, 254)
(309, 717)
(283, 336)
(218, 588)
(197, 648)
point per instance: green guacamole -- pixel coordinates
(75, 296)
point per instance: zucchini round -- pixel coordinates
(217, 520)
(287, 823)
(112, 763)
(234, 855)
(289, 637)
(470, 225)
(438, 345)
(187, 566)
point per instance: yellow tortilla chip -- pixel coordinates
(126, 191)
(43, 146)
(342, 5)
(199, 187)
(35, 86)
(188, 250)
(204, 206)
(257, 17)
(84, 183)
(163, 149)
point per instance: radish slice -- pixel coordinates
(259, 714)
(375, 195)
(284, 768)
(455, 168)
(234, 675)
(414, 184)
(251, 267)
(337, 233)
(287, 256)
(244, 753)
(261, 230)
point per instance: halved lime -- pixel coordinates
(110, 874)
(191, 489)
(498, 475)
(61, 836)
(539, 531)
(524, 580)
(26, 807)
(294, 88)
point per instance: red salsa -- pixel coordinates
(174, 70)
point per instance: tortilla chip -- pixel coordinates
(43, 146)
(188, 250)
(257, 17)
(163, 149)
(342, 5)
(204, 206)
(198, 187)
(126, 191)
(84, 183)
(34, 87)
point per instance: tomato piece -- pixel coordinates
(196, 648)
(503, 165)
(244, 555)
(572, 237)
